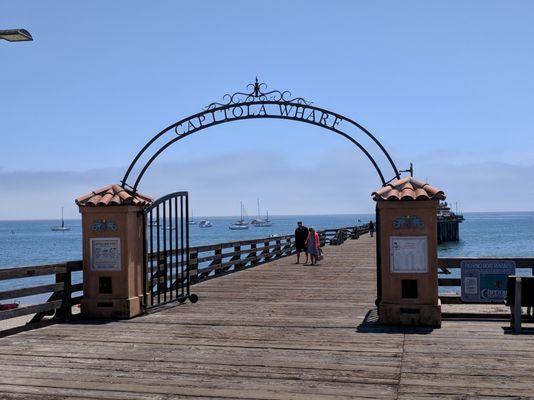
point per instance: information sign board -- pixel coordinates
(408, 254)
(105, 254)
(485, 280)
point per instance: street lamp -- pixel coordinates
(15, 35)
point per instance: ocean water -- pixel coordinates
(33, 242)
(25, 243)
(505, 234)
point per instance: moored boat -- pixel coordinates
(62, 227)
(205, 224)
(241, 224)
(260, 222)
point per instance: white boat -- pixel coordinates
(241, 224)
(260, 222)
(264, 223)
(61, 228)
(238, 226)
(205, 224)
(191, 220)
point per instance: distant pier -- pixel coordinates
(448, 224)
(449, 229)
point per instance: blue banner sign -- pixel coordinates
(485, 281)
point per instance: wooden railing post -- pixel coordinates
(278, 249)
(237, 249)
(266, 251)
(193, 266)
(217, 260)
(253, 254)
(65, 311)
(288, 246)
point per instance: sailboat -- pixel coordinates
(264, 223)
(61, 228)
(241, 224)
(191, 220)
(260, 222)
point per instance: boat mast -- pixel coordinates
(62, 221)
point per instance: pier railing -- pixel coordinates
(447, 265)
(206, 262)
(211, 261)
(337, 236)
(62, 289)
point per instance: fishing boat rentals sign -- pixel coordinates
(485, 280)
(105, 254)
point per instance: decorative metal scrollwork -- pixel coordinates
(257, 94)
(255, 103)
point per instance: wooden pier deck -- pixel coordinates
(278, 331)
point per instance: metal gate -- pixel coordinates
(166, 251)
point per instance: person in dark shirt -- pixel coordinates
(301, 233)
(371, 228)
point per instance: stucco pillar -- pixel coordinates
(113, 240)
(407, 242)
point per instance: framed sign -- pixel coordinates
(485, 280)
(105, 254)
(408, 254)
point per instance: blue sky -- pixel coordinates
(446, 85)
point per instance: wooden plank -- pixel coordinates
(449, 282)
(248, 262)
(278, 331)
(450, 299)
(37, 270)
(15, 293)
(77, 287)
(17, 312)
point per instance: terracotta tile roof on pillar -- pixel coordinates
(113, 195)
(408, 188)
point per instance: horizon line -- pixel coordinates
(275, 215)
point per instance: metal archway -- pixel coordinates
(257, 104)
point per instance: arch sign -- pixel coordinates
(255, 104)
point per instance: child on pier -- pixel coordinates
(313, 244)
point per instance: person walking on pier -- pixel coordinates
(301, 234)
(313, 244)
(371, 228)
